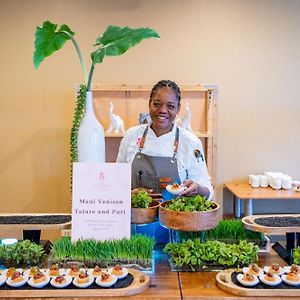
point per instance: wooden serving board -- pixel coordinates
(140, 283)
(25, 226)
(225, 283)
(249, 223)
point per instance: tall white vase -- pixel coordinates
(90, 142)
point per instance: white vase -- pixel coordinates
(90, 142)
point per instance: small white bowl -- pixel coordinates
(297, 189)
(267, 282)
(123, 275)
(107, 284)
(247, 270)
(240, 277)
(176, 191)
(62, 285)
(84, 285)
(289, 282)
(40, 284)
(2, 279)
(280, 272)
(16, 284)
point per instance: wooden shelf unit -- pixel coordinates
(131, 100)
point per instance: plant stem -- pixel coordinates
(79, 55)
(90, 77)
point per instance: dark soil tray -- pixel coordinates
(35, 219)
(278, 221)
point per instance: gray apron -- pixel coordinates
(155, 172)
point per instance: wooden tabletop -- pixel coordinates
(243, 190)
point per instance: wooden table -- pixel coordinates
(242, 191)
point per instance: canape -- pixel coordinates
(16, 279)
(106, 280)
(247, 279)
(118, 271)
(270, 279)
(253, 269)
(61, 281)
(83, 280)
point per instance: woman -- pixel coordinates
(162, 153)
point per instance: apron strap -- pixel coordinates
(175, 145)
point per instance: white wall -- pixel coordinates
(250, 49)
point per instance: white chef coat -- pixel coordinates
(189, 166)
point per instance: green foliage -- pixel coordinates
(114, 41)
(189, 204)
(194, 253)
(296, 256)
(141, 199)
(48, 40)
(25, 253)
(79, 110)
(137, 247)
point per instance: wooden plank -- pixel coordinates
(249, 223)
(140, 283)
(243, 190)
(225, 283)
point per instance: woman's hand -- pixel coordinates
(194, 188)
(157, 196)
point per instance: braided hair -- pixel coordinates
(166, 83)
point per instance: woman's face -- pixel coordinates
(163, 108)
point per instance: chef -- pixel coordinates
(161, 153)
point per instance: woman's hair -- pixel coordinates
(166, 83)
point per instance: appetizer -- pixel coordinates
(17, 277)
(82, 278)
(175, 188)
(97, 271)
(74, 270)
(118, 271)
(247, 279)
(275, 269)
(33, 271)
(291, 276)
(10, 271)
(61, 281)
(39, 277)
(54, 270)
(295, 269)
(270, 279)
(253, 269)
(106, 280)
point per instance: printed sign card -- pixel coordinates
(101, 206)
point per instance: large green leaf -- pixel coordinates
(117, 40)
(48, 40)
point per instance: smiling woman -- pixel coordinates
(162, 153)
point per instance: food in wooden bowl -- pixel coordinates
(189, 214)
(143, 209)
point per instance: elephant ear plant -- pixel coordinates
(114, 41)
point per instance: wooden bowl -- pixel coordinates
(145, 215)
(189, 221)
